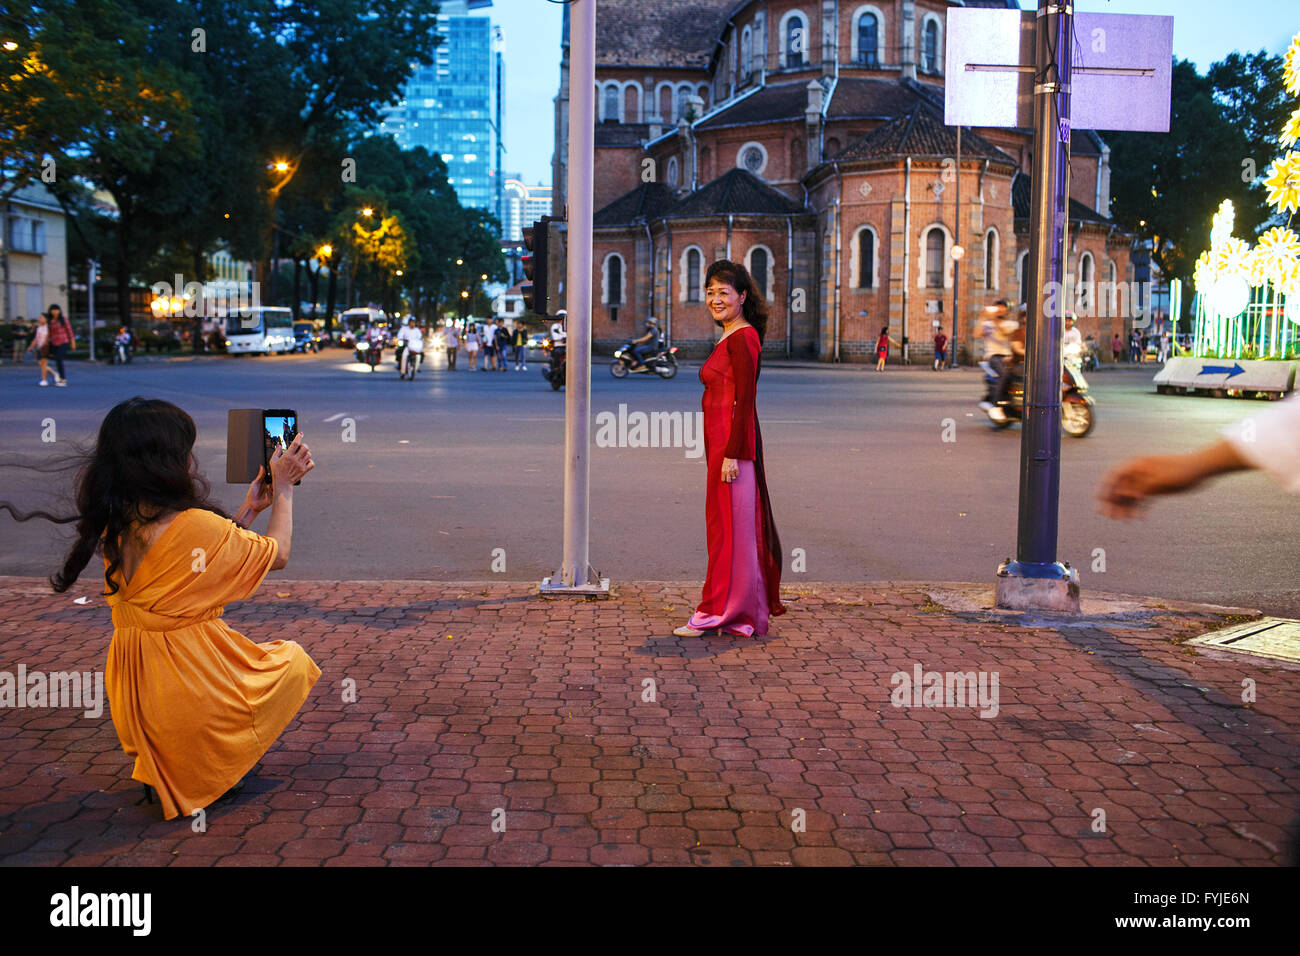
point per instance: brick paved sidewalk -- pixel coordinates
(471, 698)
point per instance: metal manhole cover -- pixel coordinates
(1275, 637)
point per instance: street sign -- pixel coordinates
(1120, 77)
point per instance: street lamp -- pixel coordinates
(367, 212)
(10, 45)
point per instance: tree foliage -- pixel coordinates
(1222, 136)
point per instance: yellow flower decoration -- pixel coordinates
(1257, 267)
(1222, 223)
(1278, 250)
(1232, 256)
(1289, 285)
(1203, 273)
(1291, 131)
(1283, 183)
(1291, 67)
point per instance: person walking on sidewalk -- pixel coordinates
(62, 341)
(519, 340)
(194, 702)
(1116, 348)
(883, 341)
(453, 343)
(743, 581)
(21, 334)
(41, 346)
(940, 350)
(471, 347)
(502, 339)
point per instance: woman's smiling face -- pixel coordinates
(723, 301)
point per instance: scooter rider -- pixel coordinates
(1072, 341)
(558, 335)
(413, 339)
(997, 350)
(647, 343)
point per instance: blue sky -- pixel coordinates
(1204, 31)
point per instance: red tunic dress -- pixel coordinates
(742, 585)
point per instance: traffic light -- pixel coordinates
(534, 263)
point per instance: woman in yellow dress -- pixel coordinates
(196, 703)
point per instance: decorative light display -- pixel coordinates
(1248, 297)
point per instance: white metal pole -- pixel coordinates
(577, 399)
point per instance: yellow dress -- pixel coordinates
(196, 703)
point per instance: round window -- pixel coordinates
(752, 159)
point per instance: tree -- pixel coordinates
(1252, 94)
(1222, 129)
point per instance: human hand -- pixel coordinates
(258, 498)
(1123, 492)
(290, 464)
(730, 470)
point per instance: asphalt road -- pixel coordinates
(445, 471)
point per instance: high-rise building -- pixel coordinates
(522, 205)
(449, 106)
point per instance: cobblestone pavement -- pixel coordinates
(477, 698)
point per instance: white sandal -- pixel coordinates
(687, 631)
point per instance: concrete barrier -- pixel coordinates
(1225, 376)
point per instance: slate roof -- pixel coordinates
(644, 203)
(738, 192)
(679, 33)
(1021, 201)
(772, 103)
(851, 98)
(919, 132)
(865, 98)
(622, 134)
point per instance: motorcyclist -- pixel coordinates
(558, 335)
(1014, 330)
(122, 342)
(648, 343)
(1072, 341)
(412, 338)
(997, 350)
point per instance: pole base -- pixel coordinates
(1022, 586)
(594, 586)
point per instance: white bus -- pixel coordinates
(259, 330)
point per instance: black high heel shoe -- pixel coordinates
(148, 794)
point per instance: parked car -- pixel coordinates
(306, 337)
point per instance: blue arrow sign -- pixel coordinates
(1222, 370)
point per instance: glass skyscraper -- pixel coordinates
(448, 107)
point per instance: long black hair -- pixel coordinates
(754, 308)
(142, 465)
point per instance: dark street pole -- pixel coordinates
(1040, 442)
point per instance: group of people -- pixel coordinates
(500, 344)
(1138, 344)
(48, 337)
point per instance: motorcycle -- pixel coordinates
(663, 362)
(412, 365)
(370, 354)
(121, 352)
(1077, 416)
(554, 371)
